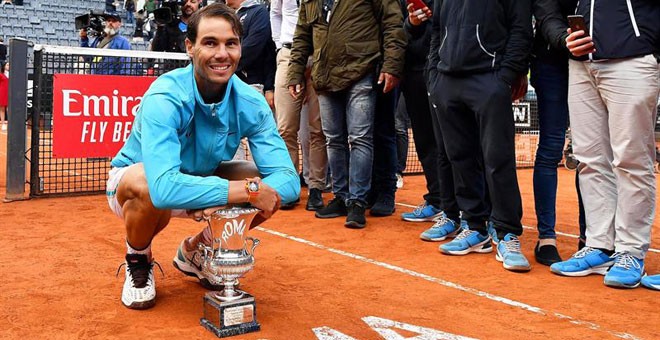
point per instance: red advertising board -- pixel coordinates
(93, 114)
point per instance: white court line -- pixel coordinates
(496, 298)
(653, 250)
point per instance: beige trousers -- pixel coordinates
(612, 108)
(288, 115)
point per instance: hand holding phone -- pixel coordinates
(578, 44)
(577, 23)
(418, 12)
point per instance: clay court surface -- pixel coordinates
(313, 279)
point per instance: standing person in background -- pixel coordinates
(614, 82)
(549, 76)
(439, 201)
(257, 66)
(3, 51)
(170, 37)
(477, 66)
(109, 39)
(149, 6)
(290, 122)
(4, 95)
(129, 6)
(348, 40)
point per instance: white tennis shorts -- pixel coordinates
(114, 177)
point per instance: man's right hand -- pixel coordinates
(579, 44)
(417, 17)
(296, 90)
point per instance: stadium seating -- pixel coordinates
(52, 22)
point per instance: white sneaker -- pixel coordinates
(4, 127)
(139, 290)
(399, 181)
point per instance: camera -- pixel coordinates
(92, 22)
(169, 11)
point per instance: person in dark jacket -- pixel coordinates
(613, 91)
(349, 40)
(170, 37)
(258, 61)
(439, 202)
(479, 51)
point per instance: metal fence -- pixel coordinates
(49, 176)
(65, 176)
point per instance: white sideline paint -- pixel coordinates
(496, 298)
(384, 328)
(653, 250)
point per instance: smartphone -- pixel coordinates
(577, 23)
(417, 4)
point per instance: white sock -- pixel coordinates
(145, 251)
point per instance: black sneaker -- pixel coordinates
(335, 208)
(355, 219)
(384, 205)
(547, 254)
(314, 200)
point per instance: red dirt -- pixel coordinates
(61, 255)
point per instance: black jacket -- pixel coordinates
(474, 36)
(622, 29)
(419, 37)
(258, 58)
(551, 25)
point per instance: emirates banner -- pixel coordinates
(93, 114)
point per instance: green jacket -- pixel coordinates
(360, 35)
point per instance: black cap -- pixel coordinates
(115, 16)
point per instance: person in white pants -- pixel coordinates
(613, 91)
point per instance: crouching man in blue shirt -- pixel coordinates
(176, 162)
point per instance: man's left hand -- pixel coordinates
(390, 81)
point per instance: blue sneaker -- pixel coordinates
(423, 213)
(490, 226)
(626, 272)
(651, 282)
(586, 261)
(466, 242)
(508, 252)
(442, 229)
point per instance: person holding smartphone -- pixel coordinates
(614, 82)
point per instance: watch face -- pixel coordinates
(253, 186)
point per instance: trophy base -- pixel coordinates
(229, 318)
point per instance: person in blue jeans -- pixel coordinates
(549, 76)
(364, 35)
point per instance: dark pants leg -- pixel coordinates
(551, 84)
(401, 127)
(421, 121)
(383, 178)
(478, 127)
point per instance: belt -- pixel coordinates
(286, 45)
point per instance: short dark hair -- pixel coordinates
(214, 10)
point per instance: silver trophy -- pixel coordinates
(230, 311)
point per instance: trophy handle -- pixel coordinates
(255, 243)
